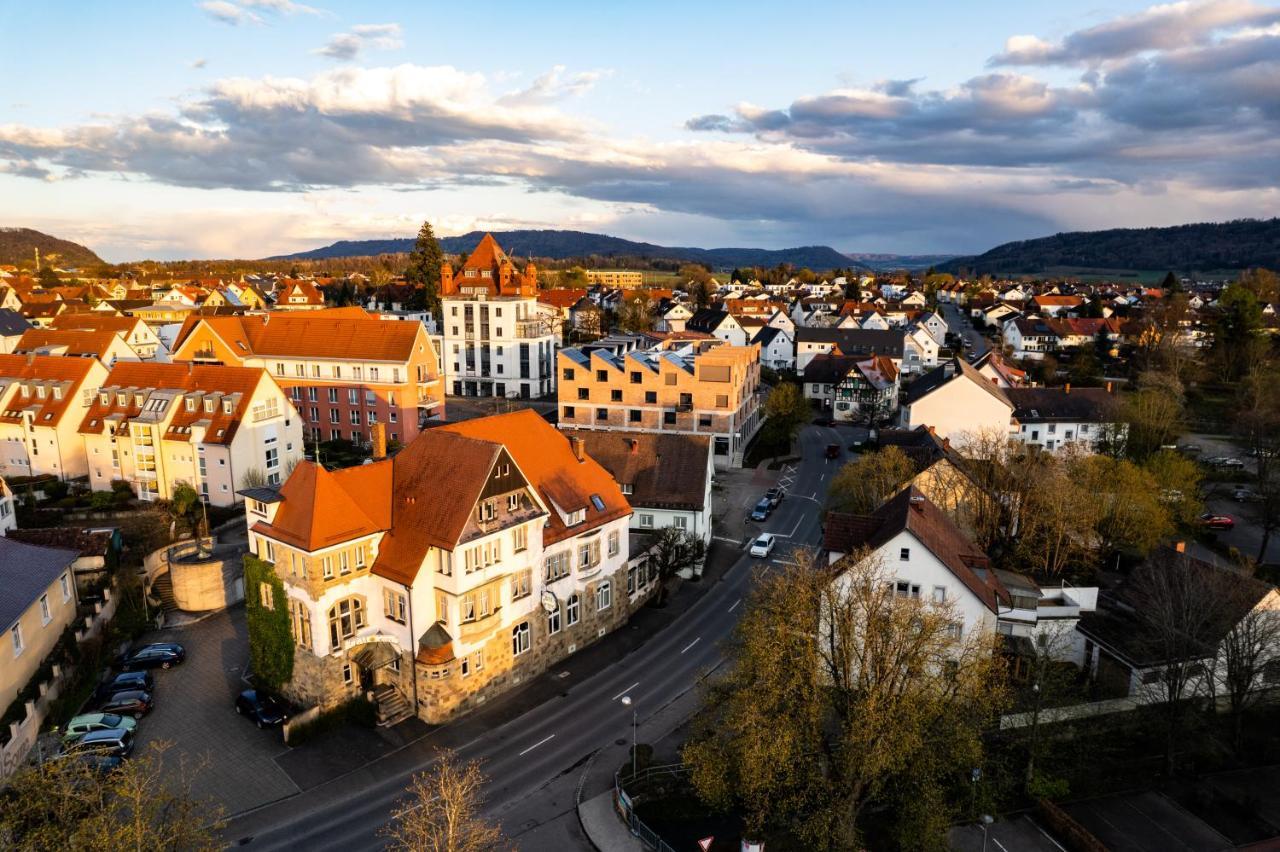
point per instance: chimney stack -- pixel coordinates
(378, 435)
(576, 444)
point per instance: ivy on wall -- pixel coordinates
(267, 614)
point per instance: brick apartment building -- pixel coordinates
(697, 387)
(344, 369)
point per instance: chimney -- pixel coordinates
(576, 444)
(378, 436)
(1180, 546)
(1067, 389)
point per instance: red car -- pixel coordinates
(1211, 521)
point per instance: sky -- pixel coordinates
(172, 129)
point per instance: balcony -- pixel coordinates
(532, 328)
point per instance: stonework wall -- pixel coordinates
(443, 693)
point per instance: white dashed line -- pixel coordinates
(691, 644)
(535, 745)
(625, 691)
(735, 604)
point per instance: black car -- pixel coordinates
(125, 682)
(134, 702)
(774, 495)
(115, 742)
(261, 707)
(162, 655)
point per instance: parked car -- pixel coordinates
(763, 545)
(125, 682)
(263, 708)
(1245, 495)
(1210, 521)
(1190, 448)
(116, 742)
(1231, 463)
(833, 451)
(775, 495)
(162, 655)
(83, 724)
(135, 703)
(762, 510)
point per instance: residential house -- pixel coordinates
(139, 336)
(719, 324)
(344, 369)
(108, 348)
(38, 604)
(1030, 337)
(437, 605)
(811, 342)
(992, 365)
(853, 388)
(697, 387)
(777, 349)
(298, 295)
(920, 350)
(1053, 305)
(959, 403)
(1053, 418)
(499, 341)
(213, 427)
(12, 326)
(665, 477)
(42, 400)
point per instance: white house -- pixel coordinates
(958, 402)
(777, 349)
(1052, 418)
(920, 351)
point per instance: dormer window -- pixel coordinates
(226, 406)
(208, 406)
(487, 510)
(577, 517)
(104, 398)
(190, 403)
(26, 390)
(40, 392)
(137, 399)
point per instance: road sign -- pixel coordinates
(705, 843)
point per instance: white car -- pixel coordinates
(763, 545)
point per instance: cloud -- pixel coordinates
(348, 46)
(228, 13)
(283, 7)
(199, 63)
(241, 11)
(555, 85)
(1171, 26)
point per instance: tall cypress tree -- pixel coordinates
(423, 272)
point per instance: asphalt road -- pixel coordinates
(959, 323)
(528, 758)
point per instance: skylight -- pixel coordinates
(597, 502)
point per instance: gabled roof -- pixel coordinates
(13, 323)
(910, 511)
(44, 368)
(486, 255)
(96, 321)
(1042, 405)
(25, 572)
(547, 459)
(855, 341)
(77, 343)
(317, 511)
(340, 333)
(829, 369)
(665, 471)
(955, 369)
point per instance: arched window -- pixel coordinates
(520, 638)
(345, 618)
(604, 595)
(571, 610)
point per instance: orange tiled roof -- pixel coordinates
(562, 297)
(545, 457)
(78, 342)
(487, 254)
(95, 321)
(47, 368)
(220, 427)
(342, 333)
(318, 509)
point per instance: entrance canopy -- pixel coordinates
(375, 655)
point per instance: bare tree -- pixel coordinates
(442, 811)
(1258, 423)
(1250, 646)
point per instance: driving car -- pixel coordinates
(1246, 495)
(125, 682)
(833, 451)
(763, 545)
(116, 742)
(134, 702)
(774, 495)
(1211, 521)
(83, 724)
(263, 708)
(762, 510)
(162, 655)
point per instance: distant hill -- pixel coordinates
(18, 245)
(886, 262)
(1182, 248)
(566, 245)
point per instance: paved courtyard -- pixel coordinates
(195, 712)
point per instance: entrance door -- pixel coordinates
(366, 677)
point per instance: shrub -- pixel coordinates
(101, 501)
(55, 489)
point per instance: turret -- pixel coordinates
(505, 271)
(529, 286)
(446, 279)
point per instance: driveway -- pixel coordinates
(195, 712)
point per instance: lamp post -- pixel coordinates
(986, 821)
(626, 702)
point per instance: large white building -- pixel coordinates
(499, 340)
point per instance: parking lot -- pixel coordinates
(1021, 834)
(194, 711)
(1146, 822)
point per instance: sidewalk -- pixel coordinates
(604, 827)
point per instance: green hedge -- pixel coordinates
(270, 640)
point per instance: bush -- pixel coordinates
(121, 486)
(358, 711)
(55, 489)
(101, 501)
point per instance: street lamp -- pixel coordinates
(986, 821)
(626, 702)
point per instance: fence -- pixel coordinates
(624, 803)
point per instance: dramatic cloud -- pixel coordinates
(348, 46)
(1167, 27)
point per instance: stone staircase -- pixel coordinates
(392, 707)
(162, 588)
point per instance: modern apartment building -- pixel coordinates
(624, 278)
(481, 554)
(344, 369)
(215, 428)
(42, 401)
(499, 340)
(697, 387)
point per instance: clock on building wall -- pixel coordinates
(549, 602)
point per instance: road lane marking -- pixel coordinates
(793, 530)
(735, 604)
(691, 644)
(535, 745)
(625, 691)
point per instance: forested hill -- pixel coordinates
(1183, 248)
(566, 245)
(18, 245)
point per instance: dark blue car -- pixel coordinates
(263, 709)
(163, 655)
